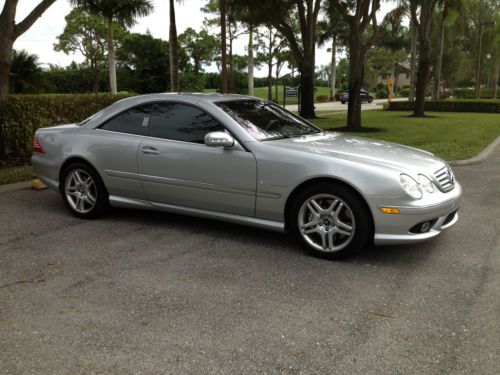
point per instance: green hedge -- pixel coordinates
(483, 106)
(468, 93)
(26, 113)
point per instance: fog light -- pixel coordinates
(389, 210)
(425, 226)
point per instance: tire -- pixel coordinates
(342, 102)
(85, 196)
(341, 209)
(370, 100)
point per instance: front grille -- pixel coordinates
(444, 179)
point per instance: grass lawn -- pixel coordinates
(9, 175)
(261, 92)
(451, 136)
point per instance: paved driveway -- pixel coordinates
(153, 293)
(338, 106)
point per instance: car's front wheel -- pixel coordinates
(330, 221)
(83, 191)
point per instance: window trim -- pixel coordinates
(208, 112)
(99, 127)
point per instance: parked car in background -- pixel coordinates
(365, 96)
(248, 161)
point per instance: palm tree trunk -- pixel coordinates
(222, 5)
(495, 76)
(333, 73)
(413, 61)
(250, 61)
(111, 58)
(172, 46)
(436, 88)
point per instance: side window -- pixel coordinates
(134, 121)
(181, 122)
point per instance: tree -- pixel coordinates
(283, 14)
(143, 61)
(332, 28)
(173, 52)
(359, 15)
(233, 27)
(122, 11)
(87, 34)
(394, 37)
(223, 50)
(25, 73)
(10, 31)
(421, 15)
(446, 7)
(199, 47)
(271, 43)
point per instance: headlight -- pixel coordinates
(426, 184)
(411, 186)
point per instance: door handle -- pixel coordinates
(149, 150)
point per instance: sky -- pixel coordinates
(43, 34)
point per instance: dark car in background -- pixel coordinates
(365, 96)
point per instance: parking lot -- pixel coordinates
(152, 293)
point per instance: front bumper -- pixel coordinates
(395, 229)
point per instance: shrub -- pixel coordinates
(322, 98)
(404, 93)
(486, 106)
(469, 93)
(382, 93)
(26, 113)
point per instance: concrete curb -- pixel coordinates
(479, 158)
(16, 186)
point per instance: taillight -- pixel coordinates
(37, 147)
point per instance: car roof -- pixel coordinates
(132, 101)
(193, 97)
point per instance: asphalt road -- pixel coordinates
(152, 293)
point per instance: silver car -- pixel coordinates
(244, 160)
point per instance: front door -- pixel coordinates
(177, 168)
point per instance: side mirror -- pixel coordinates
(219, 139)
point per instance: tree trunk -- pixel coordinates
(250, 61)
(478, 63)
(270, 79)
(356, 71)
(422, 79)
(6, 42)
(495, 76)
(172, 46)
(111, 58)
(9, 32)
(333, 72)
(413, 61)
(223, 8)
(436, 88)
(231, 82)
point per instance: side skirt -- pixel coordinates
(236, 219)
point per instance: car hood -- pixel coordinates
(363, 150)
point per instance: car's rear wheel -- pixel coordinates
(370, 100)
(84, 192)
(330, 221)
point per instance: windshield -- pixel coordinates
(266, 121)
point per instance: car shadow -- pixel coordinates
(394, 255)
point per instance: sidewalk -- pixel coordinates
(338, 106)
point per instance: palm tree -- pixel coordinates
(172, 46)
(124, 11)
(223, 11)
(458, 8)
(333, 28)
